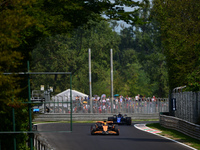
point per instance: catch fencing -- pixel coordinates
(187, 106)
(142, 106)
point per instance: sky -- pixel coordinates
(122, 23)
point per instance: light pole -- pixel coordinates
(90, 80)
(111, 78)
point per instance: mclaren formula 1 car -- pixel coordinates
(120, 119)
(104, 127)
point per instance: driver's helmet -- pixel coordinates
(104, 122)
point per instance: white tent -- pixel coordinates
(75, 93)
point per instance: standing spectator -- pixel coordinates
(108, 101)
(77, 98)
(153, 99)
(104, 100)
(121, 99)
(137, 97)
(98, 98)
(126, 98)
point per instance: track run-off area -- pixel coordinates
(134, 137)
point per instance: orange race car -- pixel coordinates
(104, 127)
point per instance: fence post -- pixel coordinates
(71, 100)
(29, 109)
(171, 112)
(198, 99)
(13, 117)
(196, 108)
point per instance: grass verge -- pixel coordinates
(178, 136)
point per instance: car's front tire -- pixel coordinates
(117, 130)
(93, 129)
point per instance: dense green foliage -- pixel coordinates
(151, 54)
(148, 63)
(180, 26)
(14, 20)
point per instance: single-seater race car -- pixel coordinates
(120, 119)
(104, 127)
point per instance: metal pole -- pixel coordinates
(170, 103)
(45, 97)
(29, 109)
(62, 106)
(90, 80)
(71, 99)
(13, 116)
(111, 80)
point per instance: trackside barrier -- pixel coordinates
(89, 117)
(187, 106)
(40, 143)
(180, 125)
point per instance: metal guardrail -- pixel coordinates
(180, 125)
(89, 117)
(40, 143)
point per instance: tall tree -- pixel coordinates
(149, 47)
(145, 40)
(14, 20)
(180, 27)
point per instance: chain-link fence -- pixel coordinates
(142, 106)
(187, 106)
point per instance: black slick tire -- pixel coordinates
(128, 121)
(93, 129)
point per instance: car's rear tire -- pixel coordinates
(128, 121)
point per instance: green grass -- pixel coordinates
(178, 136)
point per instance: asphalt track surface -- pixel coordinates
(80, 138)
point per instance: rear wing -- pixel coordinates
(109, 122)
